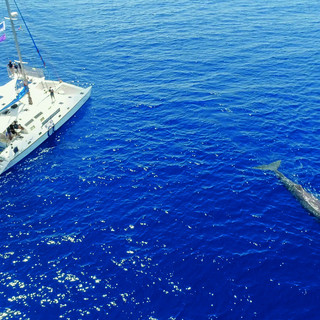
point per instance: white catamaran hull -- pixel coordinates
(31, 137)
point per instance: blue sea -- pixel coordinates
(145, 204)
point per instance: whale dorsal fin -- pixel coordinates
(272, 166)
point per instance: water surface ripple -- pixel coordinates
(145, 204)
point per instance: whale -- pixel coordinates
(306, 199)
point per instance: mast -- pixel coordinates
(25, 79)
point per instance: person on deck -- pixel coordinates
(8, 133)
(11, 66)
(52, 94)
(12, 131)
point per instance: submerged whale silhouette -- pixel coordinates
(307, 200)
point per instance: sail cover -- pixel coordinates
(20, 95)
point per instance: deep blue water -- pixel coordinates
(145, 204)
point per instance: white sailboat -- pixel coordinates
(32, 107)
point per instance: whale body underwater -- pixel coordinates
(307, 200)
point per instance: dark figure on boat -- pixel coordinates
(17, 68)
(13, 130)
(52, 94)
(11, 66)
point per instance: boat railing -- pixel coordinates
(30, 72)
(34, 72)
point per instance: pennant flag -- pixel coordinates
(2, 26)
(2, 38)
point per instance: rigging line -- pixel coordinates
(50, 64)
(30, 33)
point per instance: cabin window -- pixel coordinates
(38, 115)
(49, 118)
(29, 122)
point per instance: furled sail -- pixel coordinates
(20, 95)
